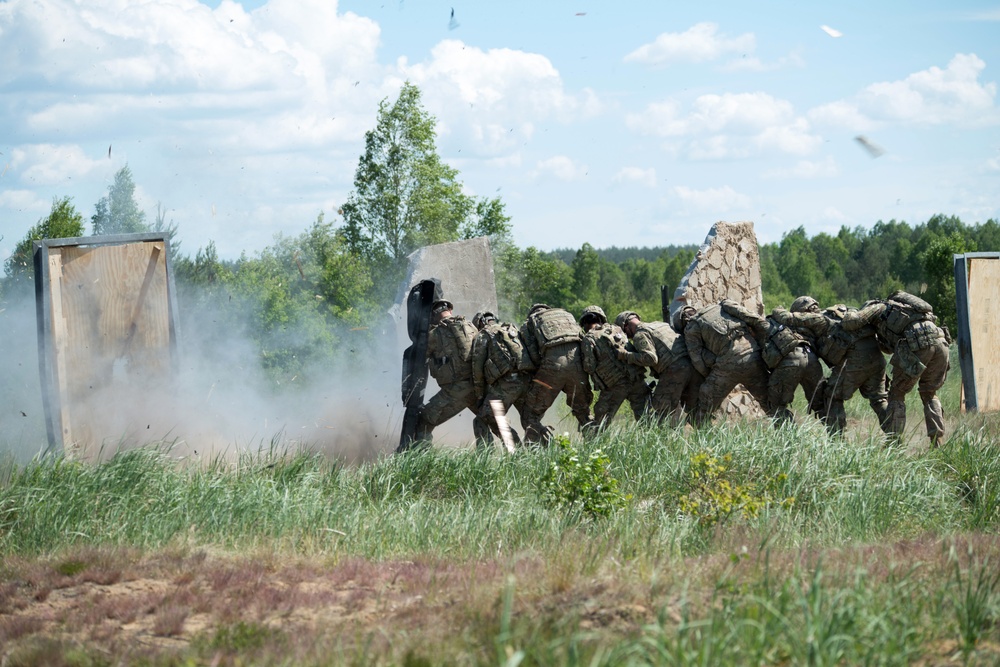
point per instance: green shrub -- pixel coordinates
(582, 482)
(713, 494)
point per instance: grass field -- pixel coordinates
(736, 545)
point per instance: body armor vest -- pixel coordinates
(600, 357)
(555, 326)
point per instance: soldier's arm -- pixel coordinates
(855, 319)
(696, 348)
(816, 324)
(643, 352)
(480, 351)
(531, 344)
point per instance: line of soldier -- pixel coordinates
(696, 361)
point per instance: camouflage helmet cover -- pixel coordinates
(804, 304)
(624, 317)
(483, 318)
(682, 316)
(536, 307)
(440, 306)
(591, 312)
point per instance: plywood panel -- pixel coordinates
(111, 335)
(984, 327)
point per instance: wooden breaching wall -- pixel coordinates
(977, 292)
(106, 337)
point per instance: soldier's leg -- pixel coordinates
(754, 376)
(899, 386)
(638, 397)
(781, 386)
(443, 406)
(812, 381)
(607, 405)
(540, 397)
(576, 385)
(932, 379)
(667, 400)
(714, 389)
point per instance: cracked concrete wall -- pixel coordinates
(727, 266)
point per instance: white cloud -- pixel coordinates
(699, 43)
(48, 164)
(729, 126)
(562, 168)
(713, 200)
(491, 100)
(645, 177)
(806, 169)
(935, 96)
(23, 200)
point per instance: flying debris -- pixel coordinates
(452, 24)
(873, 149)
(109, 151)
(581, 13)
(833, 32)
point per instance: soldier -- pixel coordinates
(603, 346)
(855, 360)
(449, 351)
(552, 338)
(790, 359)
(656, 346)
(501, 369)
(905, 325)
(723, 350)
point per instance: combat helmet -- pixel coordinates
(681, 317)
(483, 318)
(536, 307)
(440, 306)
(624, 317)
(591, 313)
(805, 304)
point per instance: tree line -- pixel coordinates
(306, 299)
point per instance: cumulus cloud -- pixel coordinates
(935, 96)
(806, 169)
(562, 168)
(729, 126)
(645, 177)
(699, 43)
(48, 164)
(492, 99)
(714, 200)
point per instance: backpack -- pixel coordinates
(454, 362)
(507, 350)
(904, 309)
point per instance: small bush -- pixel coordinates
(713, 495)
(585, 483)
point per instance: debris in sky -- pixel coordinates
(109, 151)
(833, 32)
(873, 149)
(452, 24)
(581, 13)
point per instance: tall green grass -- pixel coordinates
(475, 503)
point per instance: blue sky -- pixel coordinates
(638, 123)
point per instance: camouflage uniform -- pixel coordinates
(655, 345)
(552, 338)
(855, 360)
(790, 358)
(723, 350)
(501, 369)
(449, 344)
(615, 379)
(905, 326)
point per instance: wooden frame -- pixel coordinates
(977, 294)
(107, 328)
